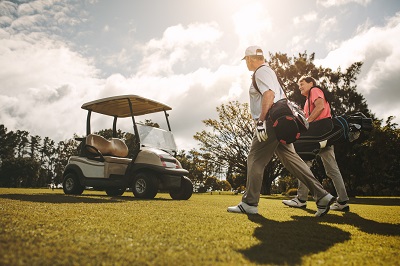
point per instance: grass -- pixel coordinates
(45, 227)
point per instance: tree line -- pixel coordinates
(370, 165)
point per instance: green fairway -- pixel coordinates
(45, 227)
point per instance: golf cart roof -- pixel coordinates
(119, 106)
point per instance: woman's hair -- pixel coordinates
(308, 79)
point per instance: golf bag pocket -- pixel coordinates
(288, 121)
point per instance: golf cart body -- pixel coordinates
(145, 167)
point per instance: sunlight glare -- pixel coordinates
(251, 23)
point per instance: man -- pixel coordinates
(265, 143)
(317, 108)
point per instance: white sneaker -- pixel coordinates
(243, 208)
(323, 205)
(295, 203)
(339, 207)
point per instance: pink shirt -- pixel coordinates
(314, 94)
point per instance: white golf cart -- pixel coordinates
(104, 164)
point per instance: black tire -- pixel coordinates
(184, 192)
(145, 185)
(71, 185)
(115, 191)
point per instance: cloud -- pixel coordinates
(326, 27)
(330, 3)
(43, 81)
(50, 80)
(178, 45)
(379, 49)
(309, 17)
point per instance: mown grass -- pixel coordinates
(45, 227)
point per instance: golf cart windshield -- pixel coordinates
(156, 138)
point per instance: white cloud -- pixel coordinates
(330, 3)
(43, 86)
(179, 45)
(299, 43)
(43, 81)
(309, 17)
(379, 49)
(8, 9)
(326, 27)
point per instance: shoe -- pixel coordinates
(295, 203)
(339, 207)
(243, 208)
(324, 204)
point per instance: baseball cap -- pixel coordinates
(253, 50)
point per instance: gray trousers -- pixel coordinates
(259, 156)
(332, 171)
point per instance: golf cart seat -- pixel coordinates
(114, 150)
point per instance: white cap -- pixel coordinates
(253, 50)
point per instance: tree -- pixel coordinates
(195, 164)
(19, 172)
(34, 147)
(228, 141)
(22, 142)
(227, 144)
(224, 185)
(7, 143)
(379, 166)
(212, 182)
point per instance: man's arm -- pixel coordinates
(319, 107)
(266, 104)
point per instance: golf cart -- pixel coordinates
(104, 164)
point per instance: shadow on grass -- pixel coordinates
(376, 201)
(61, 198)
(353, 219)
(287, 242)
(382, 201)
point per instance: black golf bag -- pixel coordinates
(326, 132)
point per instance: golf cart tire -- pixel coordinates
(145, 185)
(184, 192)
(115, 192)
(71, 185)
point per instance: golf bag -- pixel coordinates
(327, 132)
(289, 121)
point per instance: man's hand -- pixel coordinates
(261, 131)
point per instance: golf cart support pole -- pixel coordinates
(88, 123)
(166, 116)
(135, 154)
(115, 127)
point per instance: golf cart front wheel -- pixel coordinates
(71, 185)
(184, 192)
(145, 185)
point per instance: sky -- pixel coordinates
(56, 55)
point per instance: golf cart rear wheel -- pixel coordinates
(115, 191)
(145, 185)
(184, 192)
(71, 185)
